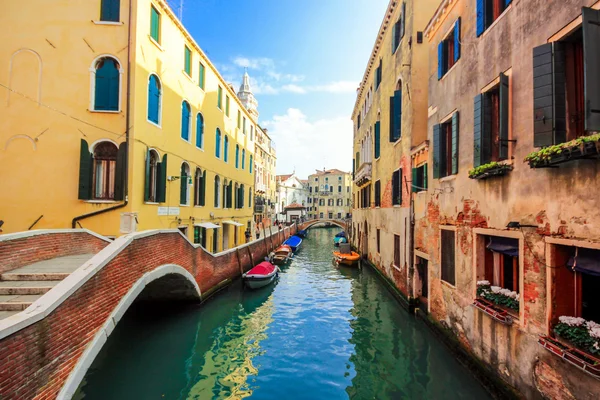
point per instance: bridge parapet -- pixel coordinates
(337, 222)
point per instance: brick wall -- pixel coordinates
(15, 253)
(37, 360)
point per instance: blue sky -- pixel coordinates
(305, 59)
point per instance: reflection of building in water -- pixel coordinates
(228, 363)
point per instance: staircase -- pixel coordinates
(20, 287)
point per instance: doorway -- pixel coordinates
(225, 236)
(422, 286)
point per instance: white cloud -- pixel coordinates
(304, 145)
(293, 88)
(254, 63)
(337, 87)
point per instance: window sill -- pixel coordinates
(188, 76)
(451, 286)
(184, 205)
(397, 141)
(109, 23)
(154, 42)
(448, 178)
(396, 268)
(106, 111)
(450, 70)
(154, 123)
(150, 203)
(186, 140)
(100, 201)
(200, 148)
(495, 22)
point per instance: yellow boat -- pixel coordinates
(346, 258)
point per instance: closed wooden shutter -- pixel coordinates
(395, 187)
(110, 10)
(397, 114)
(440, 60)
(415, 181)
(504, 118)
(161, 187)
(591, 67)
(507, 2)
(392, 120)
(394, 44)
(377, 140)
(457, 40)
(203, 190)
(154, 24)
(153, 99)
(425, 176)
(455, 137)
(187, 60)
(183, 187)
(377, 194)
(185, 121)
(448, 248)
(549, 104)
(437, 151)
(480, 17)
(199, 131)
(201, 84)
(85, 172)
(403, 23)
(121, 171)
(147, 177)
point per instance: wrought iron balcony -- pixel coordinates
(364, 173)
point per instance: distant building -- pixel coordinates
(289, 189)
(330, 194)
(294, 212)
(265, 184)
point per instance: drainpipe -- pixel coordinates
(127, 121)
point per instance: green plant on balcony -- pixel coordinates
(497, 295)
(493, 168)
(581, 333)
(582, 147)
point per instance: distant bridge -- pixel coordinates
(337, 222)
(46, 349)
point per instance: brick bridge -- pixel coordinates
(46, 349)
(337, 222)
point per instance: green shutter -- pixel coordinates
(147, 177)
(414, 180)
(392, 119)
(403, 23)
(201, 76)
(109, 10)
(183, 187)
(504, 115)
(161, 187)
(397, 114)
(437, 151)
(393, 38)
(85, 172)
(121, 172)
(187, 60)
(425, 175)
(220, 97)
(455, 133)
(486, 132)
(591, 66)
(154, 24)
(400, 186)
(203, 189)
(377, 140)
(477, 130)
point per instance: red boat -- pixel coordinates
(261, 275)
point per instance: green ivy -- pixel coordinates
(578, 336)
(547, 152)
(477, 171)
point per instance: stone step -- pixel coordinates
(26, 287)
(17, 302)
(34, 276)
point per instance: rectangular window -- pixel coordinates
(220, 98)
(201, 75)
(330, 215)
(378, 75)
(110, 10)
(447, 256)
(215, 233)
(377, 140)
(449, 50)
(378, 241)
(445, 148)
(397, 188)
(187, 61)
(227, 105)
(488, 11)
(244, 126)
(154, 24)
(491, 124)
(501, 262)
(339, 188)
(239, 121)
(397, 250)
(200, 236)
(396, 115)
(321, 215)
(419, 178)
(377, 194)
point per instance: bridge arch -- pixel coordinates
(169, 282)
(310, 224)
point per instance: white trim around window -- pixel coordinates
(93, 84)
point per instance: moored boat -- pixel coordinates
(294, 242)
(261, 275)
(302, 233)
(281, 255)
(349, 259)
(339, 239)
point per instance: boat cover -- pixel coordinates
(293, 241)
(341, 234)
(264, 268)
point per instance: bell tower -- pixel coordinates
(246, 97)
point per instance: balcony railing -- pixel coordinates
(259, 208)
(363, 175)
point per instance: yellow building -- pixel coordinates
(390, 139)
(329, 194)
(114, 119)
(265, 161)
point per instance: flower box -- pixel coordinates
(493, 311)
(585, 147)
(574, 356)
(490, 170)
(496, 295)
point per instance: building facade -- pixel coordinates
(509, 232)
(390, 140)
(330, 194)
(289, 189)
(265, 162)
(139, 131)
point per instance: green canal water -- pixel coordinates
(319, 332)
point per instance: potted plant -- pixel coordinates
(490, 169)
(582, 147)
(497, 295)
(582, 334)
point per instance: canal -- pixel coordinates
(318, 333)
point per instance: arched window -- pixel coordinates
(225, 193)
(184, 179)
(106, 84)
(199, 131)
(153, 176)
(199, 187)
(218, 144)
(185, 120)
(105, 163)
(237, 156)
(250, 166)
(217, 191)
(243, 158)
(154, 99)
(225, 148)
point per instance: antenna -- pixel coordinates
(181, 10)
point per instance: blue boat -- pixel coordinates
(294, 242)
(339, 239)
(341, 234)
(302, 233)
